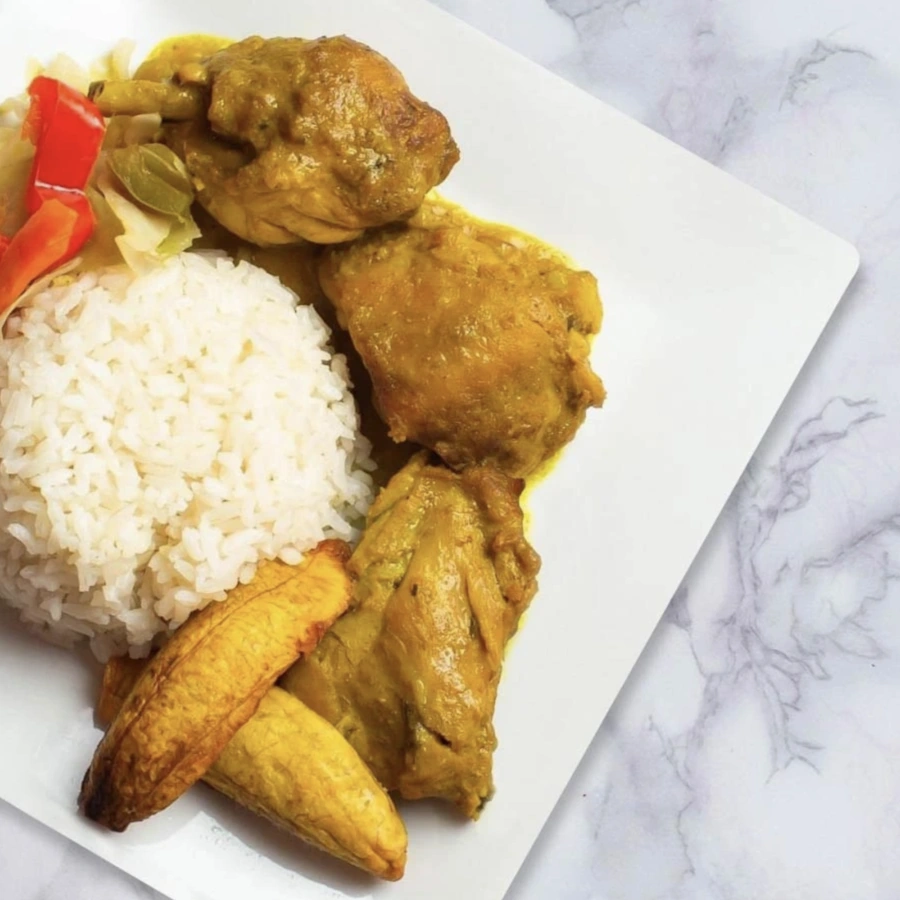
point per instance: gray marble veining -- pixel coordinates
(755, 751)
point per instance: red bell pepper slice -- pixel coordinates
(67, 131)
(51, 236)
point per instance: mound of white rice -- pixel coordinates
(160, 435)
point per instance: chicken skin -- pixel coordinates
(409, 676)
(475, 336)
(289, 139)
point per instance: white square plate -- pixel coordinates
(714, 297)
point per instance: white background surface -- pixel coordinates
(752, 754)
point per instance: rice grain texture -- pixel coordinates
(159, 436)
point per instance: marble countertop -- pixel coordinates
(753, 753)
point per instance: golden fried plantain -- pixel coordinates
(290, 766)
(119, 676)
(207, 681)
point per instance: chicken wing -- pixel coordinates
(409, 676)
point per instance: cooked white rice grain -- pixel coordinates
(159, 436)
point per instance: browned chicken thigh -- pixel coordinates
(475, 336)
(290, 139)
(409, 676)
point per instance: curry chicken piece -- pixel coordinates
(474, 335)
(409, 676)
(290, 139)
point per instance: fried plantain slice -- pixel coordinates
(207, 681)
(292, 767)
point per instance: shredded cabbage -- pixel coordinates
(148, 236)
(126, 229)
(56, 277)
(15, 164)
